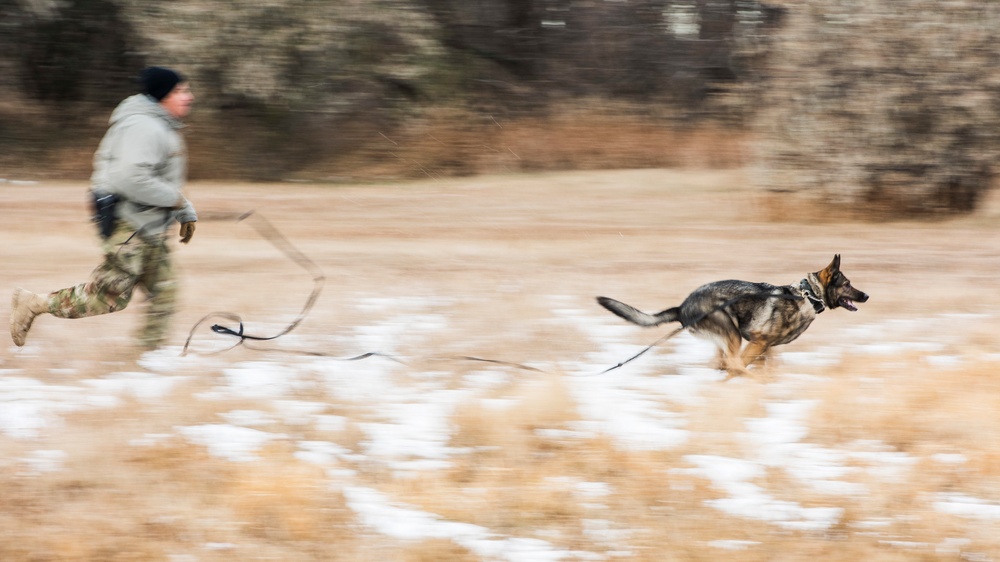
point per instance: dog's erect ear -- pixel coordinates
(826, 275)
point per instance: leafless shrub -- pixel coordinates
(883, 108)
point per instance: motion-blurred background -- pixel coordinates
(885, 108)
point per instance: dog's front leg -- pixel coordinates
(758, 350)
(755, 350)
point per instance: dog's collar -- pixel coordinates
(808, 287)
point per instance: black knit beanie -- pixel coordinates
(157, 81)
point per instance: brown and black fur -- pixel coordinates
(765, 315)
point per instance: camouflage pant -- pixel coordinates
(127, 263)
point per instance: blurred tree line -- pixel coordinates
(285, 84)
(884, 108)
(851, 101)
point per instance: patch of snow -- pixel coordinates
(628, 404)
(593, 489)
(564, 434)
(405, 523)
(605, 532)
(145, 386)
(320, 452)
(966, 506)
(28, 406)
(823, 357)
(257, 380)
(327, 422)
(298, 412)
(908, 545)
(229, 442)
(750, 501)
(248, 417)
(387, 336)
(732, 544)
(150, 439)
(944, 361)
(486, 380)
(950, 458)
(891, 348)
(883, 461)
(952, 545)
(43, 461)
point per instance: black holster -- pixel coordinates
(103, 209)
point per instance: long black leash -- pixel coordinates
(272, 235)
(648, 347)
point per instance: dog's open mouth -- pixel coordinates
(847, 303)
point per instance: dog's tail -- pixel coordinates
(639, 317)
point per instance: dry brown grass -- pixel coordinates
(513, 485)
(453, 142)
(496, 255)
(507, 485)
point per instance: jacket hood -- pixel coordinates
(141, 104)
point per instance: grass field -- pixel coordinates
(873, 437)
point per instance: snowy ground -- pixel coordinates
(405, 416)
(877, 428)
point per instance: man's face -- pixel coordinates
(178, 101)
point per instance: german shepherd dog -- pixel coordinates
(727, 312)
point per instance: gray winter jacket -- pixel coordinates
(142, 159)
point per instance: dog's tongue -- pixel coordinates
(848, 304)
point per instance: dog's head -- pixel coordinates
(837, 289)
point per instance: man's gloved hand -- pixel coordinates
(187, 231)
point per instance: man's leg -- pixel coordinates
(109, 288)
(24, 307)
(111, 284)
(160, 283)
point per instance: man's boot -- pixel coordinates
(24, 307)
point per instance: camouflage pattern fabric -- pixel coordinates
(129, 261)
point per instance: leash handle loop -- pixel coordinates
(271, 234)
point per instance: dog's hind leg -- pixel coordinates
(734, 364)
(720, 360)
(722, 345)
